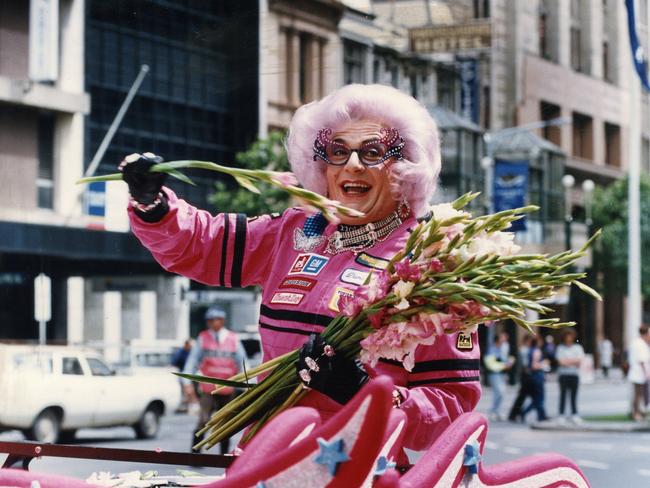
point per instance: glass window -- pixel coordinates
(354, 62)
(45, 184)
(612, 144)
(98, 367)
(583, 139)
(71, 365)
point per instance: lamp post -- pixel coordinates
(567, 182)
(590, 310)
(588, 193)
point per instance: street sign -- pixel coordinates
(42, 298)
(451, 38)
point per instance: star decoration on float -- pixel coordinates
(331, 454)
(472, 457)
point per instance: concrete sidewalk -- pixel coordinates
(557, 424)
(603, 397)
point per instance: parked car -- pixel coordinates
(49, 392)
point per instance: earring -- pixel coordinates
(403, 209)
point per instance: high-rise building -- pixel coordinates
(65, 69)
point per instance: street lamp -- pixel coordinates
(588, 191)
(567, 182)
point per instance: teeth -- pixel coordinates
(356, 187)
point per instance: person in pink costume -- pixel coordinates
(374, 149)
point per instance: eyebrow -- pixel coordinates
(365, 141)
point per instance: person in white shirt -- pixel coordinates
(639, 372)
(606, 350)
(569, 356)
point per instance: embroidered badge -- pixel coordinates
(299, 283)
(302, 242)
(464, 341)
(369, 261)
(310, 264)
(287, 298)
(354, 276)
(336, 296)
(311, 235)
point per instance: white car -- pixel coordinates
(49, 392)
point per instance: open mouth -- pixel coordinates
(356, 188)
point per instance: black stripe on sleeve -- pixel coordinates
(434, 381)
(440, 365)
(224, 249)
(296, 316)
(238, 254)
(286, 329)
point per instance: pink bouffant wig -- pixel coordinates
(413, 178)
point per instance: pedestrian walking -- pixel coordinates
(606, 355)
(525, 381)
(569, 357)
(497, 362)
(179, 358)
(218, 353)
(639, 372)
(538, 367)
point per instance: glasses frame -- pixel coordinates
(389, 138)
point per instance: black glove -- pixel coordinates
(337, 377)
(145, 186)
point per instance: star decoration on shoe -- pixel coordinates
(383, 464)
(472, 457)
(331, 454)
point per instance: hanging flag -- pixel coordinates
(510, 188)
(638, 56)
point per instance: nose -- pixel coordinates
(354, 164)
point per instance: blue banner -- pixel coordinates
(638, 56)
(96, 199)
(469, 89)
(510, 188)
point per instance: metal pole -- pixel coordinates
(634, 232)
(92, 167)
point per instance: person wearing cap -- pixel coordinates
(373, 149)
(217, 353)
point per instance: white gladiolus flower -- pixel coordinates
(403, 289)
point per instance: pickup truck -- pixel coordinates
(48, 392)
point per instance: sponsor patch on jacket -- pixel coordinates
(336, 296)
(371, 261)
(464, 341)
(287, 298)
(298, 282)
(309, 264)
(354, 276)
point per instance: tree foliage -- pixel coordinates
(610, 213)
(269, 154)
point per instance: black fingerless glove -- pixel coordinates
(145, 186)
(336, 376)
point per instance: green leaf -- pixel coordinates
(214, 381)
(588, 290)
(178, 175)
(247, 183)
(93, 179)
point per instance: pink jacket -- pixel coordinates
(300, 295)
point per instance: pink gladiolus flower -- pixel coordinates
(376, 319)
(436, 266)
(285, 178)
(407, 271)
(351, 305)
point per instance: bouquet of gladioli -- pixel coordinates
(454, 273)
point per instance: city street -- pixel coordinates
(607, 459)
